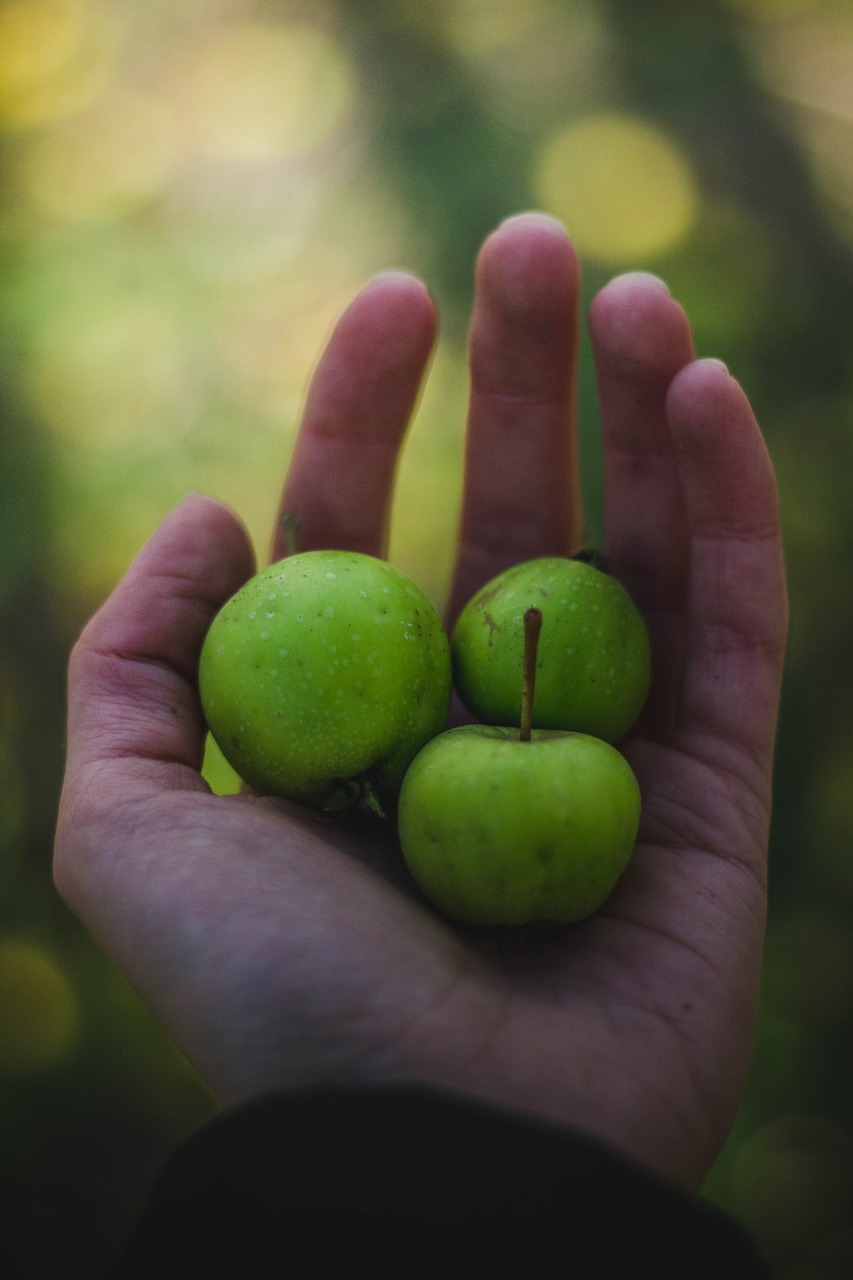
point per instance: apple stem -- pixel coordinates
(532, 627)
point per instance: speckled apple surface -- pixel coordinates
(497, 831)
(326, 671)
(592, 671)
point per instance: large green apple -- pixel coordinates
(593, 664)
(500, 831)
(323, 677)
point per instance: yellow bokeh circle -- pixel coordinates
(256, 92)
(56, 57)
(38, 1009)
(103, 163)
(622, 187)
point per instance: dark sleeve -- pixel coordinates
(404, 1180)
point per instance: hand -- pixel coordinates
(280, 950)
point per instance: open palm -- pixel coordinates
(280, 949)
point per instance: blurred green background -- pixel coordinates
(191, 193)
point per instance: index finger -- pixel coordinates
(359, 404)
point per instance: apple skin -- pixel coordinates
(593, 664)
(323, 676)
(496, 831)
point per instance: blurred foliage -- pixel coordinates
(190, 196)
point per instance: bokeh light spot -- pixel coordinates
(623, 188)
(562, 47)
(485, 25)
(55, 58)
(102, 163)
(40, 1013)
(257, 92)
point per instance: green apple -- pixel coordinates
(593, 665)
(499, 831)
(323, 676)
(515, 826)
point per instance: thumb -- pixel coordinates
(133, 709)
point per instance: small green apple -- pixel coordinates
(593, 666)
(515, 826)
(498, 831)
(323, 676)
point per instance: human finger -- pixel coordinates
(520, 486)
(133, 712)
(359, 403)
(641, 338)
(737, 615)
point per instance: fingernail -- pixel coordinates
(534, 215)
(646, 277)
(396, 274)
(721, 364)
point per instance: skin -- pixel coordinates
(279, 951)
